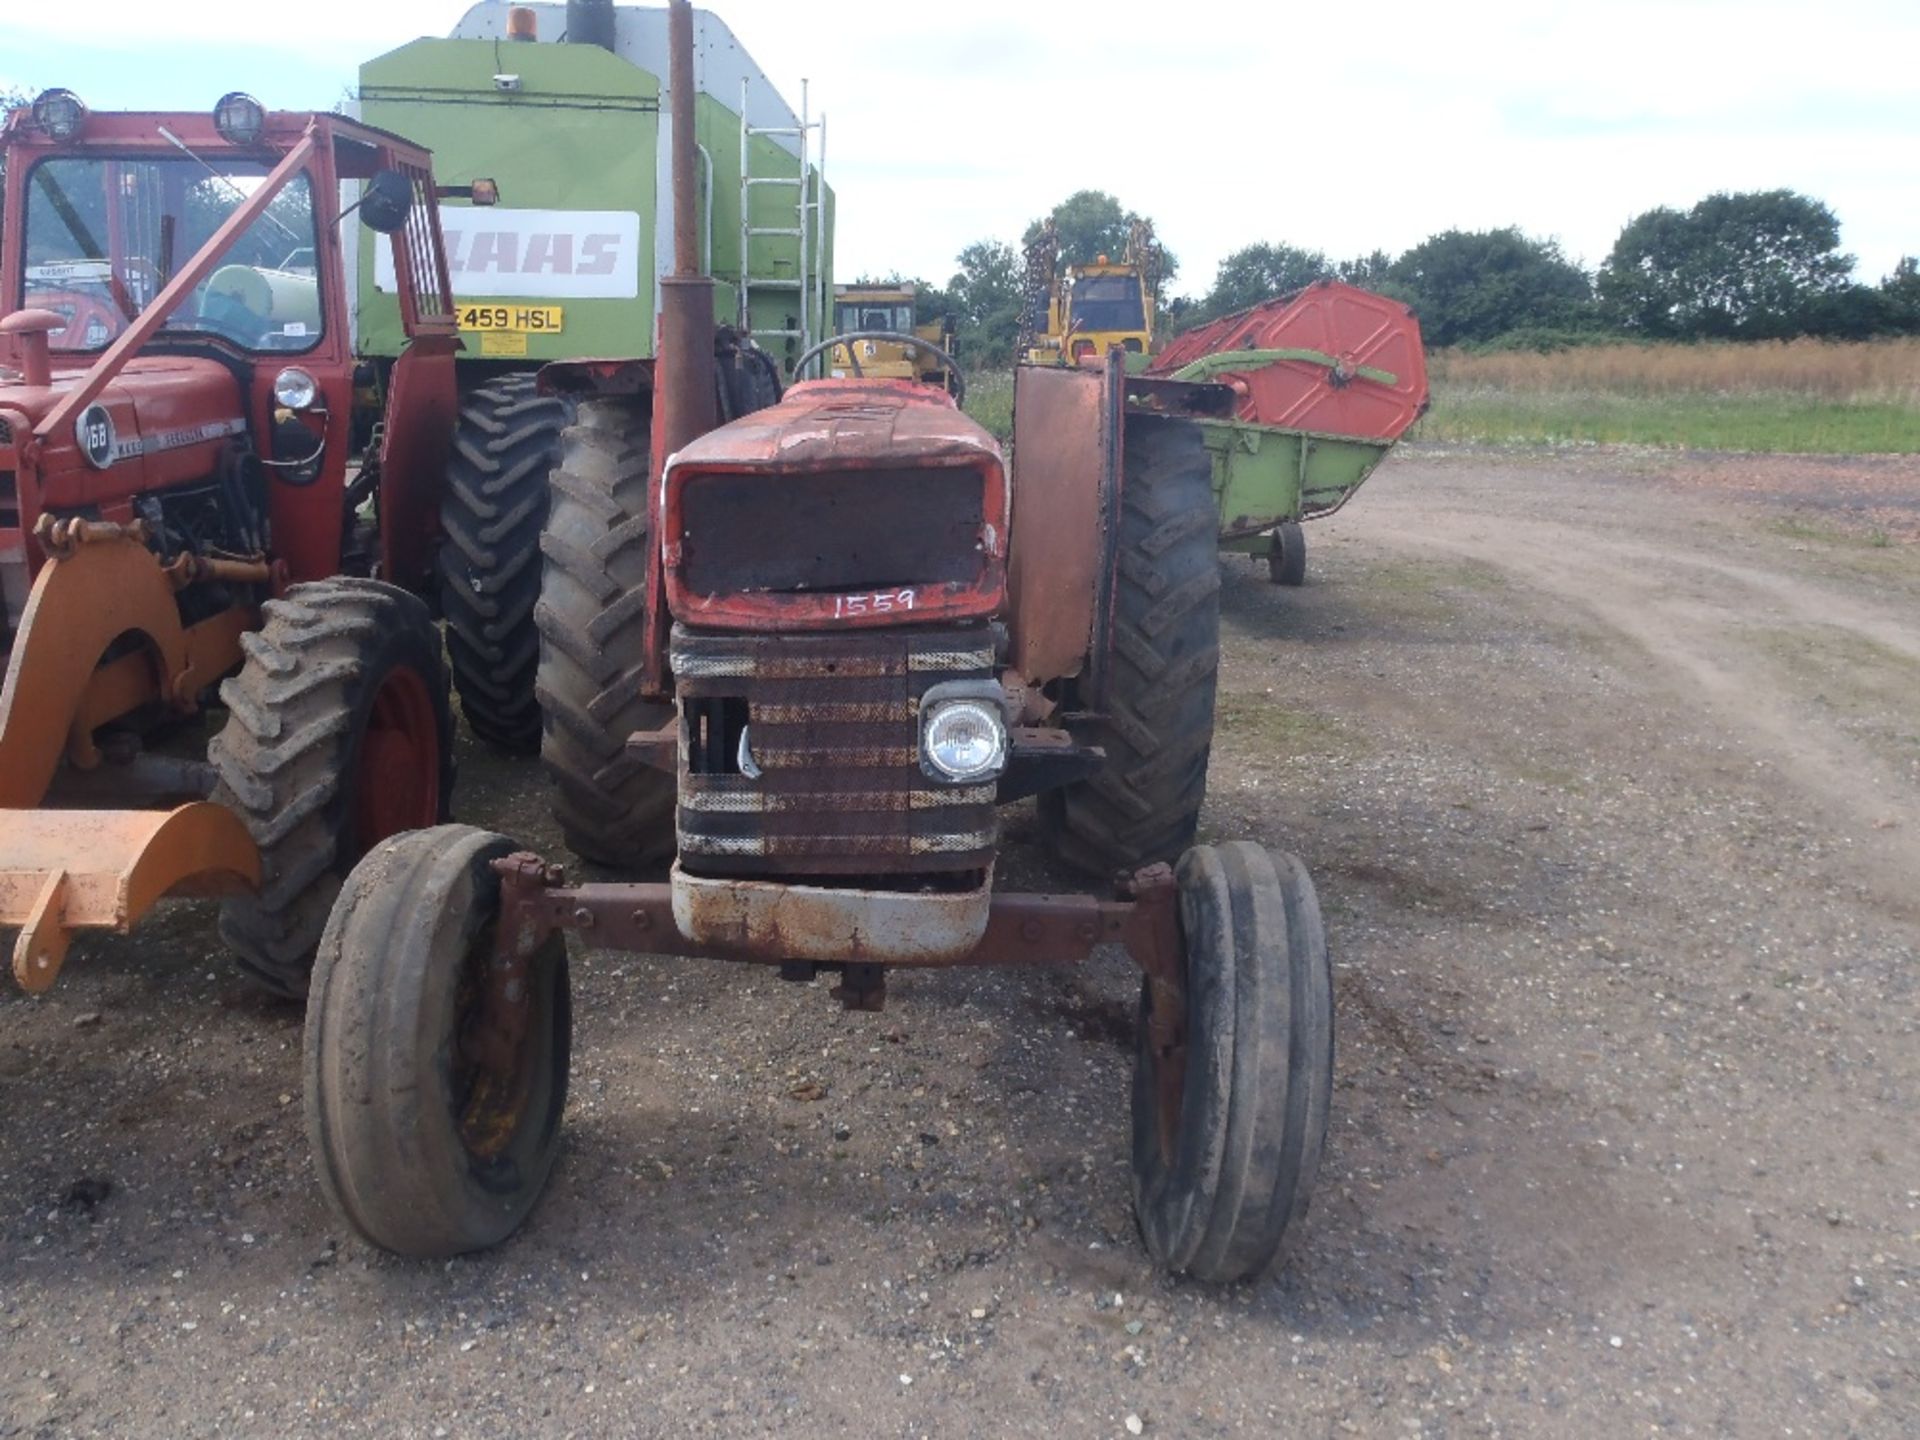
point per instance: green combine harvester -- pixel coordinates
(551, 137)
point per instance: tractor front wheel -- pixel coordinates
(495, 503)
(339, 733)
(1225, 1149)
(434, 1086)
(593, 617)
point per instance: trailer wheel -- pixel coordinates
(593, 619)
(1287, 560)
(339, 733)
(1222, 1173)
(428, 1143)
(506, 444)
(1144, 804)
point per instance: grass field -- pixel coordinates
(1805, 396)
(1797, 397)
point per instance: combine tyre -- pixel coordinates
(1144, 805)
(506, 445)
(338, 734)
(593, 617)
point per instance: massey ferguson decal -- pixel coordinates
(536, 254)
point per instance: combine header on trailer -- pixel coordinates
(1325, 381)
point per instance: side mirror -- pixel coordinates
(386, 202)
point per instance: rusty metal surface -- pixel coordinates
(77, 607)
(62, 870)
(1066, 448)
(1019, 928)
(819, 922)
(832, 725)
(809, 453)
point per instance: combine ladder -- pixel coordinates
(808, 287)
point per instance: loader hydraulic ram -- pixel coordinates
(832, 637)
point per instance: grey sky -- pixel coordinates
(1345, 128)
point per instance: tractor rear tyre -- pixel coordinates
(593, 620)
(1144, 804)
(427, 1142)
(495, 503)
(1222, 1178)
(339, 733)
(1287, 560)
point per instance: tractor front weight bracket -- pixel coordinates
(1021, 930)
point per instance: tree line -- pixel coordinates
(1755, 265)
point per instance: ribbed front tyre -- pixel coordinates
(429, 1140)
(1224, 1159)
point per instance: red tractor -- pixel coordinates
(826, 641)
(185, 510)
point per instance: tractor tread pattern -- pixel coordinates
(1144, 804)
(505, 447)
(592, 617)
(283, 758)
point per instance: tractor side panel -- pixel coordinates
(1066, 491)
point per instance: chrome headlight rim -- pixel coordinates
(295, 389)
(981, 703)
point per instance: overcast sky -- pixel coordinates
(1345, 128)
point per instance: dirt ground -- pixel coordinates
(1607, 768)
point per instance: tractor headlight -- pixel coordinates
(295, 389)
(964, 739)
(240, 119)
(60, 113)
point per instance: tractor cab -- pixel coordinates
(179, 472)
(176, 346)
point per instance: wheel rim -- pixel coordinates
(499, 1025)
(397, 774)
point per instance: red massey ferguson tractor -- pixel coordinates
(827, 640)
(184, 506)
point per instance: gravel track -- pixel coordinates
(1608, 779)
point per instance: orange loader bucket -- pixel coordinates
(63, 870)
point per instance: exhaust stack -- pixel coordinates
(684, 374)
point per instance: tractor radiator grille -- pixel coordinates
(831, 722)
(888, 529)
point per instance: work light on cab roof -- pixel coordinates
(59, 112)
(240, 119)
